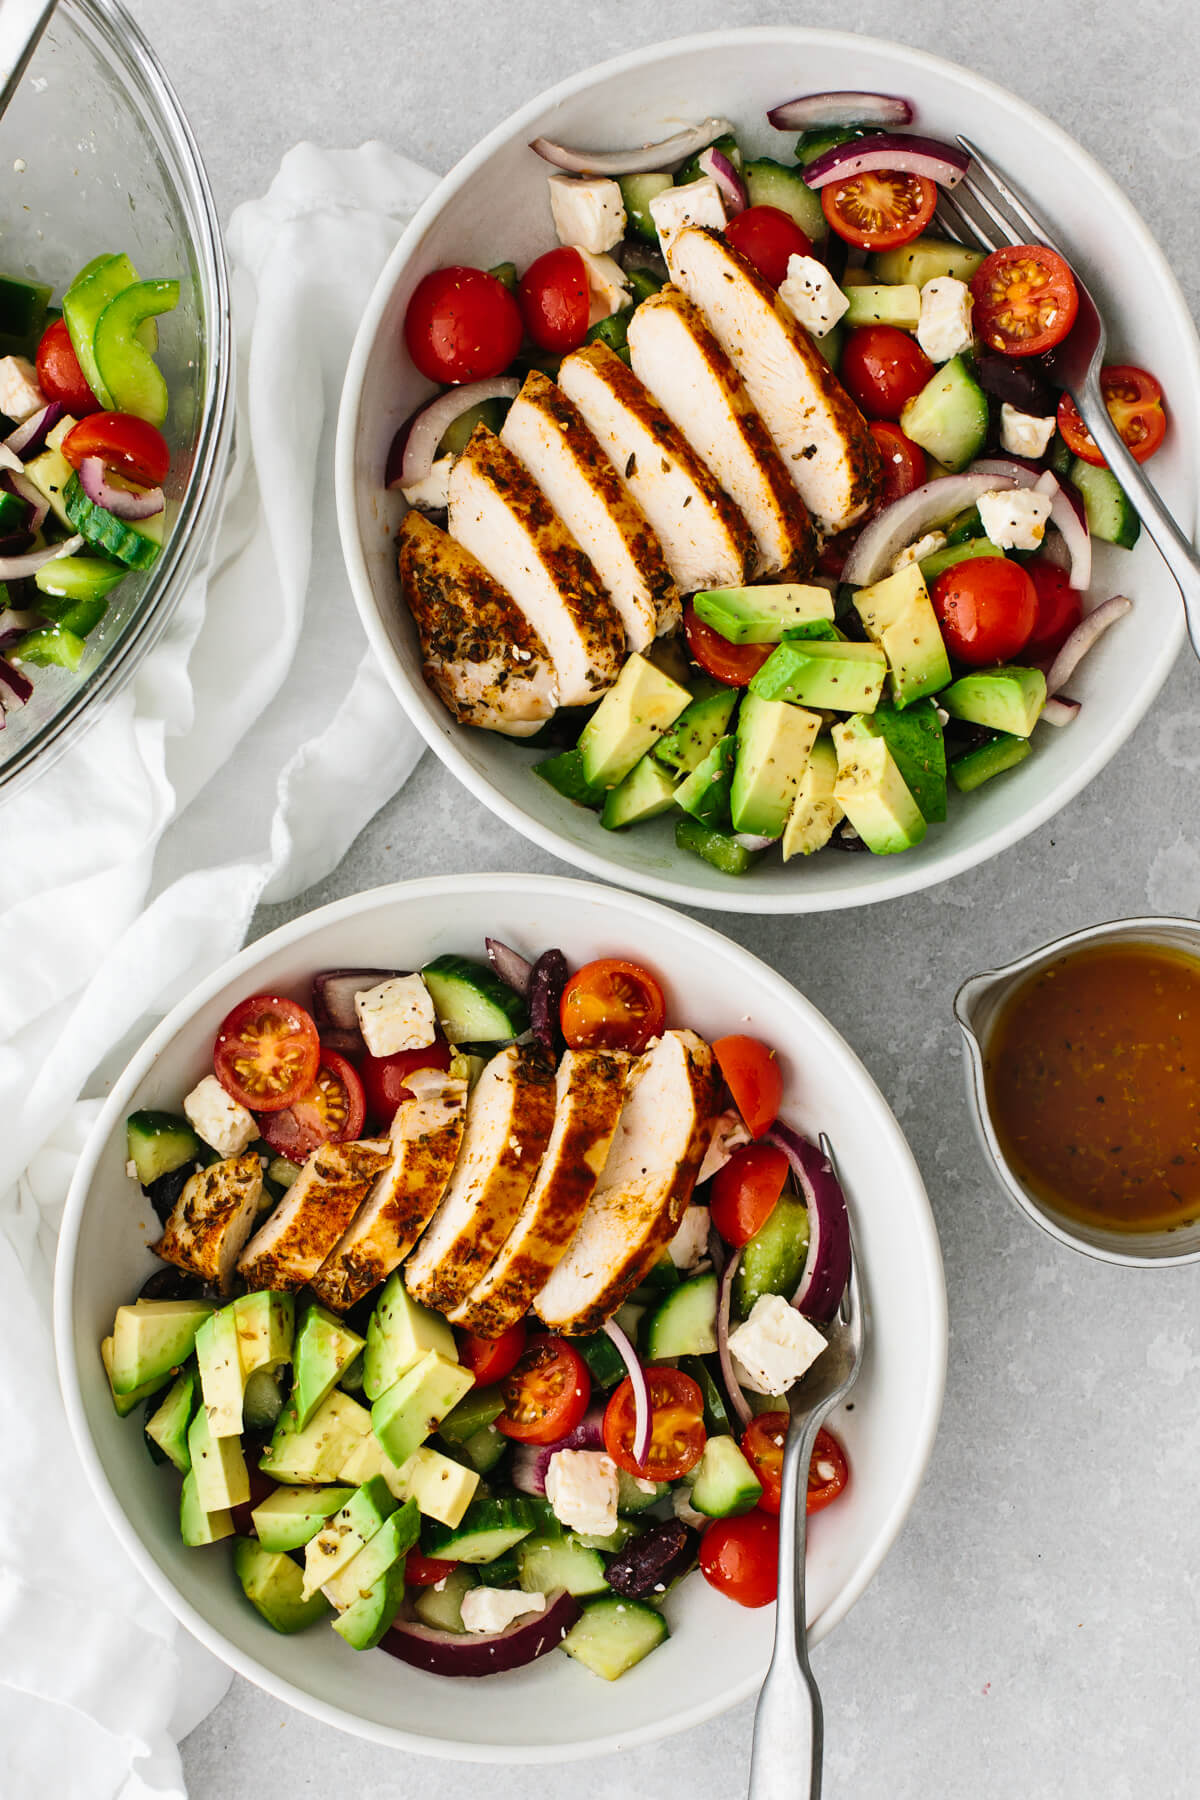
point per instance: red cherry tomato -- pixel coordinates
(546, 1393)
(828, 1472)
(1134, 401)
(1025, 299)
(767, 236)
(612, 1005)
(267, 1053)
(133, 446)
(1059, 609)
(384, 1078)
(261, 1488)
(902, 463)
(59, 374)
(752, 1075)
(425, 1571)
(880, 209)
(734, 664)
(762, 1446)
(555, 302)
(986, 608)
(332, 1111)
(740, 1558)
(462, 325)
(883, 368)
(491, 1359)
(677, 1435)
(744, 1192)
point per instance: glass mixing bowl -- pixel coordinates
(96, 155)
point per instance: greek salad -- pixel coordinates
(482, 1289)
(82, 458)
(757, 503)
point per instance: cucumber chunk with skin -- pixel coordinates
(974, 767)
(1110, 513)
(613, 1635)
(95, 285)
(773, 1258)
(441, 1607)
(715, 847)
(78, 578)
(129, 372)
(488, 1529)
(724, 1483)
(135, 545)
(685, 1323)
(159, 1142)
(548, 1563)
(771, 183)
(472, 1003)
(637, 191)
(949, 417)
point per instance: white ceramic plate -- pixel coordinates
(493, 207)
(555, 1709)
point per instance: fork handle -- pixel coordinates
(789, 1733)
(1176, 550)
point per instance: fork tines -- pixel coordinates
(989, 209)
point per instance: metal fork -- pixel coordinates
(986, 208)
(788, 1723)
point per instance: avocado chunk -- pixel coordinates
(364, 1623)
(717, 848)
(125, 1403)
(383, 1549)
(845, 677)
(925, 259)
(152, 1339)
(289, 1516)
(647, 791)
(168, 1425)
(874, 303)
(898, 615)
(630, 718)
(198, 1526)
(873, 794)
(773, 744)
(564, 773)
(344, 1535)
(222, 1381)
(1008, 699)
(318, 1451)
(815, 814)
(404, 1416)
(974, 767)
(324, 1347)
(698, 727)
(705, 792)
(915, 740)
(266, 1325)
(762, 615)
(398, 1335)
(724, 1482)
(441, 1487)
(158, 1143)
(273, 1584)
(938, 561)
(949, 417)
(218, 1466)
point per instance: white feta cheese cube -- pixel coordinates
(20, 395)
(924, 546)
(396, 1015)
(774, 1346)
(1024, 434)
(695, 203)
(219, 1119)
(608, 285)
(681, 1506)
(810, 292)
(944, 328)
(581, 1486)
(729, 1133)
(433, 493)
(689, 1247)
(494, 1609)
(588, 211)
(1014, 518)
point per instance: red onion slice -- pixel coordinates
(809, 110)
(425, 431)
(642, 1418)
(944, 163)
(333, 992)
(1081, 640)
(667, 154)
(733, 1386)
(24, 489)
(483, 1652)
(15, 687)
(1017, 470)
(30, 437)
(749, 842)
(512, 968)
(905, 520)
(714, 162)
(15, 568)
(827, 1265)
(1067, 513)
(1059, 712)
(122, 502)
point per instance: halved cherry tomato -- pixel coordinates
(677, 1435)
(880, 209)
(612, 1005)
(740, 1558)
(331, 1112)
(1134, 402)
(491, 1359)
(267, 1052)
(59, 374)
(767, 236)
(828, 1472)
(986, 608)
(133, 446)
(384, 1078)
(546, 1393)
(1059, 609)
(752, 1075)
(901, 462)
(1025, 299)
(744, 1192)
(734, 664)
(762, 1446)
(425, 1571)
(462, 325)
(555, 302)
(882, 368)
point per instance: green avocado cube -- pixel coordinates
(386, 1547)
(826, 673)
(318, 1451)
(399, 1334)
(324, 1348)
(152, 1339)
(344, 1535)
(705, 792)
(364, 1623)
(197, 1525)
(630, 718)
(289, 1516)
(442, 1488)
(915, 740)
(762, 615)
(1008, 699)
(974, 767)
(266, 1329)
(815, 813)
(168, 1426)
(222, 1381)
(273, 1584)
(774, 739)
(125, 1403)
(219, 1468)
(414, 1406)
(898, 615)
(699, 726)
(873, 794)
(647, 791)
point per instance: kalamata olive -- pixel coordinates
(1009, 379)
(652, 1561)
(165, 1191)
(172, 1284)
(843, 841)
(260, 1487)
(546, 985)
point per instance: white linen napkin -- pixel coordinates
(254, 744)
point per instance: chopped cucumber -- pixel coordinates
(637, 191)
(1110, 515)
(715, 847)
(770, 183)
(83, 303)
(474, 1412)
(158, 1142)
(724, 1482)
(924, 260)
(948, 558)
(602, 1358)
(483, 1449)
(716, 1414)
(685, 1324)
(949, 417)
(50, 646)
(773, 1258)
(488, 1529)
(79, 617)
(129, 372)
(974, 767)
(136, 545)
(634, 1496)
(472, 1003)
(879, 304)
(457, 434)
(78, 577)
(814, 143)
(440, 1607)
(643, 283)
(548, 1563)
(613, 1635)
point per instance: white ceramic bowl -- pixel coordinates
(493, 206)
(554, 1709)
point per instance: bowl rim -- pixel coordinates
(702, 938)
(442, 738)
(203, 497)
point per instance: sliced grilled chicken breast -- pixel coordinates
(313, 1214)
(590, 1093)
(706, 540)
(549, 436)
(510, 1116)
(677, 357)
(426, 1134)
(212, 1219)
(819, 432)
(502, 517)
(647, 1182)
(481, 656)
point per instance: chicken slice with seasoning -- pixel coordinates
(212, 1219)
(289, 1249)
